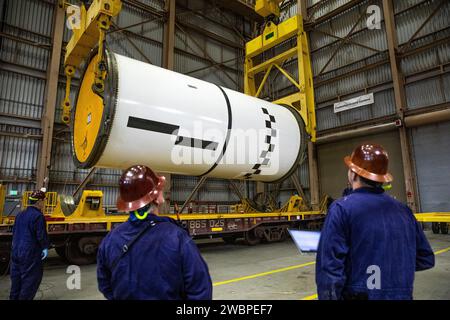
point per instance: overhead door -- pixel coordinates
(333, 172)
(431, 145)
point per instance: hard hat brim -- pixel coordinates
(382, 178)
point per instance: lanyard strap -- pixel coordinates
(126, 247)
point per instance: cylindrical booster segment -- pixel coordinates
(181, 125)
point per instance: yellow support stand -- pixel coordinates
(273, 35)
(2, 201)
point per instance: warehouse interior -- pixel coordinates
(396, 54)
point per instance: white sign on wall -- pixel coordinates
(354, 103)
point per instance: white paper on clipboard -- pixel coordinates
(306, 241)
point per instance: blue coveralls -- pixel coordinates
(364, 231)
(347, 191)
(163, 264)
(29, 239)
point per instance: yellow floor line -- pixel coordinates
(442, 251)
(314, 296)
(264, 273)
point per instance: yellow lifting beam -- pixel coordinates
(267, 8)
(89, 33)
(273, 35)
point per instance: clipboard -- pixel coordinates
(306, 241)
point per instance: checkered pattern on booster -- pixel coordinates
(271, 133)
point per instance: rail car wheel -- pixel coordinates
(5, 256)
(252, 238)
(82, 250)
(435, 227)
(444, 227)
(229, 239)
(61, 251)
(283, 235)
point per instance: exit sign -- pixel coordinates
(13, 192)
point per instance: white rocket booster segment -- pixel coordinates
(181, 125)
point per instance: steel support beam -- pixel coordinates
(193, 193)
(302, 9)
(85, 181)
(240, 7)
(299, 188)
(51, 88)
(343, 42)
(313, 176)
(168, 63)
(178, 50)
(436, 10)
(400, 103)
(331, 14)
(115, 28)
(214, 63)
(236, 190)
(210, 35)
(260, 187)
(413, 118)
(169, 35)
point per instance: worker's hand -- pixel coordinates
(44, 254)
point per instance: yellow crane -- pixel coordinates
(88, 32)
(273, 35)
(267, 8)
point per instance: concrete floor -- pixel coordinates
(231, 262)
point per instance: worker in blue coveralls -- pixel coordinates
(371, 244)
(29, 249)
(149, 256)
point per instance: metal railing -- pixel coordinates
(51, 199)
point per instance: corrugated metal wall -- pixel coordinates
(25, 46)
(342, 72)
(361, 65)
(197, 50)
(427, 73)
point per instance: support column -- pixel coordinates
(168, 63)
(260, 187)
(313, 176)
(312, 154)
(169, 35)
(51, 88)
(302, 9)
(167, 193)
(400, 103)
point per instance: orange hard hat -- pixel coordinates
(138, 187)
(370, 161)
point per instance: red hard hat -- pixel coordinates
(37, 195)
(370, 161)
(138, 186)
